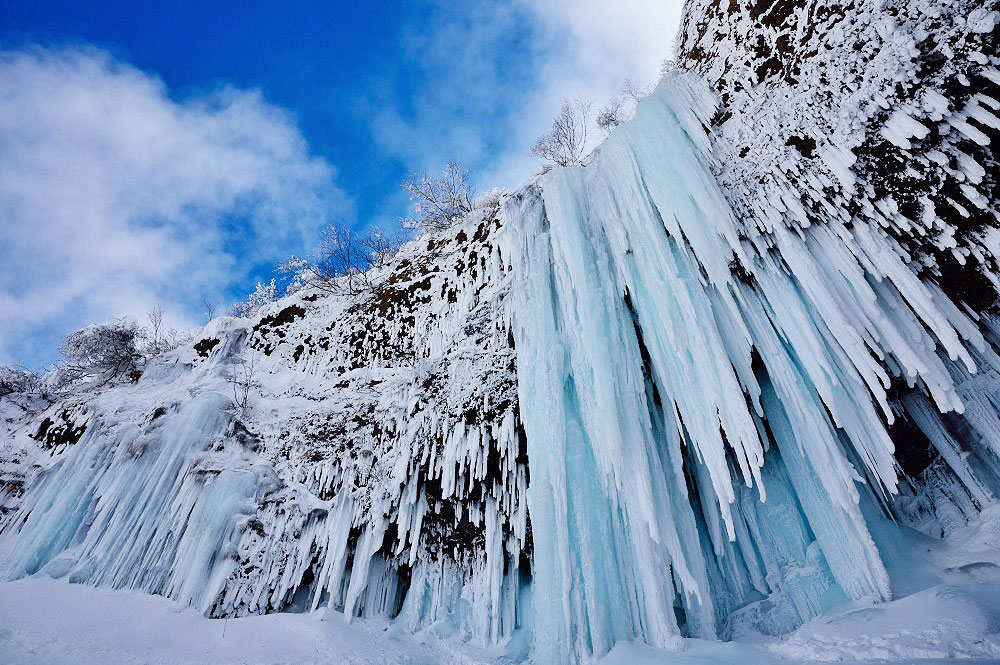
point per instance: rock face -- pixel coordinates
(880, 111)
(692, 388)
(379, 454)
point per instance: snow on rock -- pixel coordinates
(737, 371)
(378, 458)
(837, 110)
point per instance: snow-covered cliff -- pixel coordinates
(716, 382)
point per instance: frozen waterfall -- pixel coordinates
(707, 405)
(705, 401)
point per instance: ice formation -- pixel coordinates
(707, 406)
(675, 392)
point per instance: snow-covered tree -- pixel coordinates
(566, 142)
(14, 381)
(262, 295)
(438, 202)
(102, 353)
(343, 260)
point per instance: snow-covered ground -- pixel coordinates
(49, 622)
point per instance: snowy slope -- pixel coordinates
(380, 445)
(48, 622)
(736, 373)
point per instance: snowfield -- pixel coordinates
(48, 622)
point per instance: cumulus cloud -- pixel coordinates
(493, 74)
(585, 49)
(115, 195)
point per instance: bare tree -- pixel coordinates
(565, 143)
(612, 115)
(155, 317)
(381, 246)
(343, 260)
(209, 307)
(243, 381)
(621, 107)
(439, 202)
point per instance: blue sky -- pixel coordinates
(170, 152)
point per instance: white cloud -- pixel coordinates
(585, 48)
(495, 73)
(114, 195)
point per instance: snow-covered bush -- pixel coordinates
(262, 295)
(15, 381)
(102, 353)
(343, 260)
(565, 144)
(438, 202)
(490, 200)
(621, 107)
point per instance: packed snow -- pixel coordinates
(48, 622)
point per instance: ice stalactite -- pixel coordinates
(670, 353)
(377, 467)
(131, 510)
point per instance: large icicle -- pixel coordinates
(641, 351)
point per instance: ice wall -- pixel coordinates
(607, 409)
(376, 467)
(706, 400)
(130, 508)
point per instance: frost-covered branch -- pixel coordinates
(343, 260)
(566, 142)
(439, 202)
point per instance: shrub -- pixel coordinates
(102, 353)
(438, 202)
